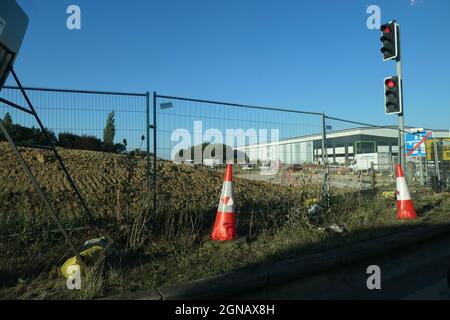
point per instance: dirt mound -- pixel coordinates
(112, 184)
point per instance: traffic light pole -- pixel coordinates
(394, 85)
(401, 121)
(325, 195)
(401, 126)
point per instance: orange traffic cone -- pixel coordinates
(225, 225)
(405, 207)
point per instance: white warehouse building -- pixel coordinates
(341, 146)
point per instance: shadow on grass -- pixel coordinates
(321, 258)
(204, 258)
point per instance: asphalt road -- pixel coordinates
(418, 273)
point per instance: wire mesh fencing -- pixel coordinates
(112, 176)
(83, 113)
(198, 137)
(281, 156)
(361, 156)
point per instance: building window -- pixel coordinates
(365, 147)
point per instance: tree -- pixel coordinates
(24, 135)
(110, 130)
(212, 151)
(7, 120)
(119, 148)
(84, 142)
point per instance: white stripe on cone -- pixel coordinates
(226, 203)
(402, 189)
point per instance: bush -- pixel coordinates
(27, 136)
(116, 148)
(68, 140)
(34, 136)
(84, 142)
(73, 141)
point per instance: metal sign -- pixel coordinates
(415, 143)
(166, 105)
(443, 147)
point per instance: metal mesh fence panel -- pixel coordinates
(82, 112)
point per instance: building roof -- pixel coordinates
(386, 131)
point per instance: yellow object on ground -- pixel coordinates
(310, 201)
(73, 263)
(389, 195)
(70, 266)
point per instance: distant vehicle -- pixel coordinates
(248, 166)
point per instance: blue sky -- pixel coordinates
(308, 55)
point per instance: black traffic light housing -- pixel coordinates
(393, 98)
(390, 40)
(13, 25)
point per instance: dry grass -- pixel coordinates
(93, 280)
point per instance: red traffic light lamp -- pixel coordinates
(389, 39)
(393, 95)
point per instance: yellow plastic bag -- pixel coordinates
(72, 264)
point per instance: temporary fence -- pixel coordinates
(281, 145)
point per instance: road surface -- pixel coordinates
(418, 273)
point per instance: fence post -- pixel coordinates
(325, 186)
(436, 161)
(422, 180)
(373, 175)
(323, 139)
(147, 111)
(155, 153)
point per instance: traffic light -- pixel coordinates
(393, 95)
(13, 25)
(389, 38)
